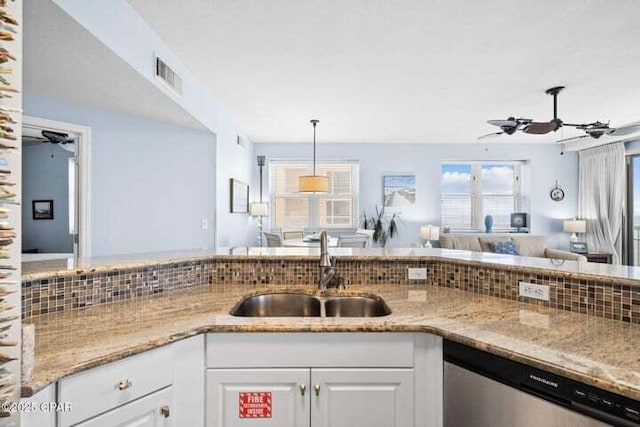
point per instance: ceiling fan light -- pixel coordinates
(313, 184)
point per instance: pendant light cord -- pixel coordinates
(314, 123)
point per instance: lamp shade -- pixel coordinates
(430, 232)
(574, 226)
(258, 209)
(313, 184)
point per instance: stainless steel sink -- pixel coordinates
(278, 305)
(303, 305)
(354, 306)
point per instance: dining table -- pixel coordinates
(309, 242)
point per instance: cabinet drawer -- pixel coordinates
(101, 389)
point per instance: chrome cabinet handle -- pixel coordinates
(317, 389)
(124, 384)
(165, 411)
(303, 389)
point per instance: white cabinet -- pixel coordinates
(150, 411)
(158, 388)
(362, 397)
(325, 379)
(264, 397)
(34, 413)
(317, 397)
(115, 384)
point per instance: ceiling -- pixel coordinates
(65, 61)
(406, 70)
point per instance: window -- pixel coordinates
(472, 190)
(292, 210)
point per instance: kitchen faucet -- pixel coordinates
(328, 275)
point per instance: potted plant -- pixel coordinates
(384, 226)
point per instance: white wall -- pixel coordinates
(45, 169)
(546, 165)
(152, 182)
(116, 24)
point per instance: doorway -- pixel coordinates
(55, 190)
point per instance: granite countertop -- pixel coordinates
(597, 351)
(619, 274)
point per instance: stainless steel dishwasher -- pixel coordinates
(481, 389)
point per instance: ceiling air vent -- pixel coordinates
(168, 76)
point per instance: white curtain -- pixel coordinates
(601, 197)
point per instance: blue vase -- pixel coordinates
(488, 223)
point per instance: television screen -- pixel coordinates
(519, 220)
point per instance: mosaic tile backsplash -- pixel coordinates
(567, 292)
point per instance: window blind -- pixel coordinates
(336, 209)
(472, 190)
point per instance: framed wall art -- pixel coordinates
(399, 190)
(42, 209)
(239, 192)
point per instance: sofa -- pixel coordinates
(526, 244)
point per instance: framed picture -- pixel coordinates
(579, 247)
(42, 209)
(399, 190)
(239, 197)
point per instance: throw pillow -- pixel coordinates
(508, 248)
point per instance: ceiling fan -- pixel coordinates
(594, 129)
(598, 129)
(49, 136)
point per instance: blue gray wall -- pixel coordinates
(116, 24)
(45, 177)
(546, 165)
(152, 182)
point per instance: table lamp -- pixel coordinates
(429, 233)
(574, 226)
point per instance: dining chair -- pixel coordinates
(365, 232)
(273, 239)
(288, 235)
(357, 241)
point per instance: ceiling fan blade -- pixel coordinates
(540, 128)
(503, 123)
(575, 138)
(626, 129)
(491, 135)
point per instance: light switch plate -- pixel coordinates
(531, 290)
(417, 274)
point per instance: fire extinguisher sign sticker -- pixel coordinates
(254, 404)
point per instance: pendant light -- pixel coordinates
(313, 183)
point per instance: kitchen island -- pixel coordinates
(584, 346)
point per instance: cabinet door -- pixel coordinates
(362, 398)
(257, 397)
(36, 417)
(150, 411)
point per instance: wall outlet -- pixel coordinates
(204, 224)
(417, 274)
(531, 290)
